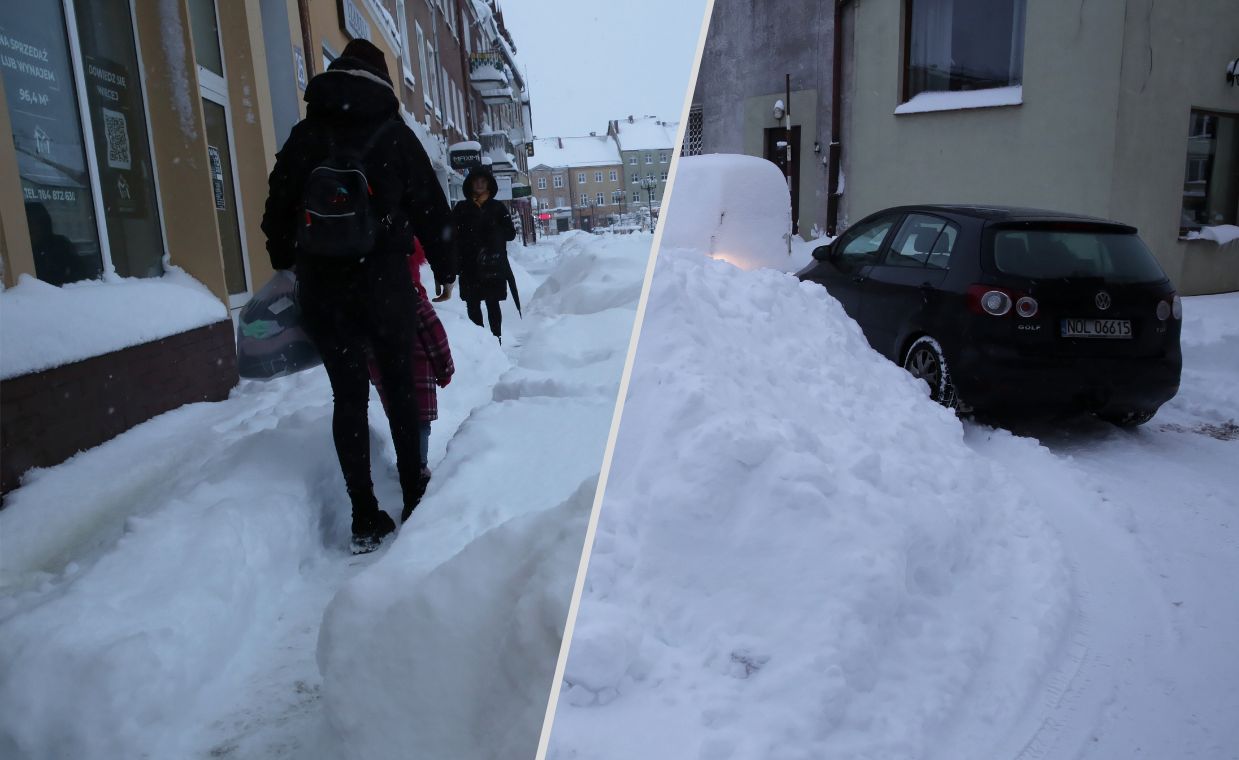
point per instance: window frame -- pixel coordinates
(905, 84)
(854, 232)
(1210, 161)
(888, 252)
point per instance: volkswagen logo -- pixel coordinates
(1102, 300)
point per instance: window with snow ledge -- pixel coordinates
(962, 47)
(926, 102)
(1211, 177)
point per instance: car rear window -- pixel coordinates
(1064, 254)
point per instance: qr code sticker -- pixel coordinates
(116, 130)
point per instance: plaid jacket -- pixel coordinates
(432, 360)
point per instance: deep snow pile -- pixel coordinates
(43, 326)
(161, 594)
(798, 556)
(446, 647)
(732, 207)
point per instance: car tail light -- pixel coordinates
(1173, 307)
(986, 299)
(1026, 307)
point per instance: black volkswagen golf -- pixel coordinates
(1008, 310)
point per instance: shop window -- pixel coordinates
(963, 45)
(84, 208)
(1211, 179)
(122, 146)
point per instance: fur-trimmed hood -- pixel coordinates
(351, 91)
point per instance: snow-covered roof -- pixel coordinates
(571, 152)
(647, 133)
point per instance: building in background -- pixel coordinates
(1118, 110)
(578, 182)
(646, 147)
(139, 137)
(746, 66)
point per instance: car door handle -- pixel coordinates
(859, 278)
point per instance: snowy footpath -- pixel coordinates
(185, 590)
(800, 556)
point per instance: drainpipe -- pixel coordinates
(467, 129)
(836, 104)
(307, 37)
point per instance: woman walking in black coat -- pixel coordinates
(356, 295)
(483, 229)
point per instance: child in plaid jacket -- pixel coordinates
(432, 366)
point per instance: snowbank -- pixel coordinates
(446, 646)
(798, 556)
(1221, 234)
(44, 326)
(739, 204)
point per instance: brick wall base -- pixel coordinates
(47, 417)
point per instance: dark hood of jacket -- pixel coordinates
(352, 91)
(492, 186)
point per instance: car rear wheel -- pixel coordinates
(924, 360)
(1127, 419)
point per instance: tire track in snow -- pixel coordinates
(1118, 620)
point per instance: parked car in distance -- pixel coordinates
(1010, 310)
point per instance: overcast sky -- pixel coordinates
(590, 61)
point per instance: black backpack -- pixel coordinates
(339, 217)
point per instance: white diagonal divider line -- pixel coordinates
(574, 606)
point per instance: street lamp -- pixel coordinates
(648, 184)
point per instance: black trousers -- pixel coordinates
(343, 324)
(493, 313)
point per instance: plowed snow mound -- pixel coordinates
(797, 556)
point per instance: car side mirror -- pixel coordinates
(823, 253)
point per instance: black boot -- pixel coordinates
(414, 497)
(370, 526)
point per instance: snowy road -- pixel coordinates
(1150, 519)
(162, 595)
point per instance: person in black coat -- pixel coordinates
(353, 303)
(483, 229)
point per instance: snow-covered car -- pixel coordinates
(1012, 310)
